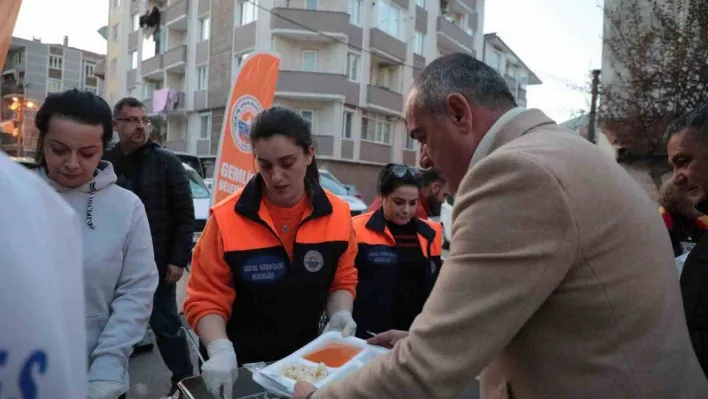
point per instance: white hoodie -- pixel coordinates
(42, 352)
(119, 271)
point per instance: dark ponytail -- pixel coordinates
(279, 121)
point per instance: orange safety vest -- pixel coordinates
(380, 272)
(278, 302)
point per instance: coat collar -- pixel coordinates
(249, 204)
(512, 125)
(377, 222)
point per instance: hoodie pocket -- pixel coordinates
(95, 324)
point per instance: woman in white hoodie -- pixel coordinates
(120, 276)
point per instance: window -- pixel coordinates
(495, 60)
(419, 42)
(353, 67)
(55, 62)
(249, 11)
(410, 143)
(311, 4)
(204, 28)
(88, 69)
(131, 92)
(148, 90)
(347, 123)
(135, 22)
(309, 61)
(115, 32)
(116, 3)
(53, 86)
(376, 128)
(114, 65)
(92, 90)
(133, 59)
(354, 11)
(309, 116)
(204, 126)
(389, 18)
(386, 77)
(420, 3)
(202, 78)
(18, 57)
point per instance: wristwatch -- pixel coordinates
(310, 395)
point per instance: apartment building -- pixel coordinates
(346, 66)
(517, 75)
(32, 71)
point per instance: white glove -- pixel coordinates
(221, 370)
(104, 390)
(341, 321)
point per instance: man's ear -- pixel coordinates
(458, 110)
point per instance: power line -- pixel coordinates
(313, 30)
(565, 82)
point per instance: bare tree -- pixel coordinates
(659, 53)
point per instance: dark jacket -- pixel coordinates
(159, 179)
(694, 286)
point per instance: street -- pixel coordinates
(150, 379)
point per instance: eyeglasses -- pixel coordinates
(134, 120)
(400, 170)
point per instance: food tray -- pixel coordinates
(272, 378)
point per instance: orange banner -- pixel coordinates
(8, 16)
(253, 92)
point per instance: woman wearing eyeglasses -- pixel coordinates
(398, 256)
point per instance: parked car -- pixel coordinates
(209, 182)
(25, 161)
(356, 206)
(201, 196)
(446, 219)
(351, 189)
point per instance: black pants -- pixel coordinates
(171, 342)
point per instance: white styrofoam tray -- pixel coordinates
(272, 378)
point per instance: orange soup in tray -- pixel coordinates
(333, 354)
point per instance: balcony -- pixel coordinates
(382, 98)
(332, 23)
(313, 85)
(11, 67)
(386, 45)
(100, 69)
(175, 59)
(177, 16)
(453, 37)
(152, 68)
(11, 87)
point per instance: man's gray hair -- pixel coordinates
(461, 73)
(694, 122)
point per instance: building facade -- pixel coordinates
(516, 74)
(346, 66)
(32, 71)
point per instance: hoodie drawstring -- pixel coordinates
(89, 207)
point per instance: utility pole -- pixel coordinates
(593, 105)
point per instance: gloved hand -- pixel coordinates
(221, 370)
(104, 390)
(341, 321)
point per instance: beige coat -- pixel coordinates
(560, 284)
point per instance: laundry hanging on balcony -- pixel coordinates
(163, 100)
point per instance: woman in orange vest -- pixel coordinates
(272, 258)
(398, 257)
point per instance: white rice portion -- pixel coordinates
(300, 372)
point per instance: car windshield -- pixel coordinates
(199, 189)
(332, 186)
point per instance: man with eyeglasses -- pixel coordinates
(157, 176)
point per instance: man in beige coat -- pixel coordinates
(560, 283)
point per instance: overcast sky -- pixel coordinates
(558, 39)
